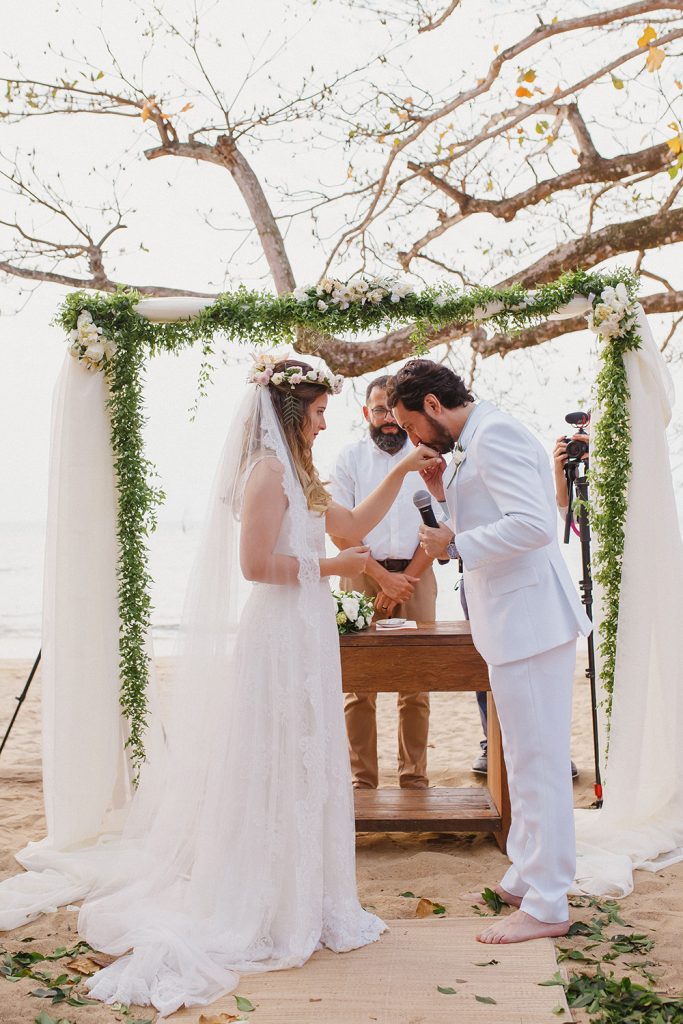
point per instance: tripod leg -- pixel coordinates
(20, 700)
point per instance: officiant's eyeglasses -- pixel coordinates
(380, 413)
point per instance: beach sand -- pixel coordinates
(439, 867)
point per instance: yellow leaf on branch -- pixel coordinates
(655, 59)
(648, 35)
(675, 144)
(523, 92)
(529, 76)
(188, 106)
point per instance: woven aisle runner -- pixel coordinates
(395, 981)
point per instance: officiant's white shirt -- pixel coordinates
(360, 468)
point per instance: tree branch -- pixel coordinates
(226, 154)
(99, 283)
(613, 240)
(501, 344)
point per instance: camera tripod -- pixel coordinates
(20, 700)
(575, 470)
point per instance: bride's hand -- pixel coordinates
(351, 561)
(420, 459)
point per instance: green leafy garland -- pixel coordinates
(260, 318)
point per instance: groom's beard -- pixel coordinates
(390, 442)
(440, 438)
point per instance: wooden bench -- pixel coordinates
(437, 657)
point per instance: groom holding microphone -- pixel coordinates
(525, 617)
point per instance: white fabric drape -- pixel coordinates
(86, 774)
(640, 824)
(84, 769)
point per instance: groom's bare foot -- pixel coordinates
(506, 897)
(520, 927)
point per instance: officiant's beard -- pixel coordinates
(391, 442)
(440, 439)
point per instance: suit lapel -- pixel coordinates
(474, 420)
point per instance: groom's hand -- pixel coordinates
(434, 541)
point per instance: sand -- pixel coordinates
(439, 867)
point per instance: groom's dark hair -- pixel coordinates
(421, 377)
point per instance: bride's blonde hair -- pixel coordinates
(305, 393)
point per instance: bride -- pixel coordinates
(238, 854)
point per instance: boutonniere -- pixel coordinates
(456, 461)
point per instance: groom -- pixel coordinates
(525, 617)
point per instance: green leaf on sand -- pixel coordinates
(492, 900)
(445, 990)
(243, 1004)
(556, 979)
(486, 999)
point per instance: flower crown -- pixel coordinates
(263, 373)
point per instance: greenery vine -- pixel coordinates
(258, 318)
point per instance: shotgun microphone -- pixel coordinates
(423, 503)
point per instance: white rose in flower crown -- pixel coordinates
(296, 377)
(376, 295)
(300, 294)
(278, 378)
(322, 306)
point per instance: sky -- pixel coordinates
(169, 240)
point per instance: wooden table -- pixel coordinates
(436, 657)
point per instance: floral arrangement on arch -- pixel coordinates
(89, 344)
(354, 611)
(357, 291)
(614, 314)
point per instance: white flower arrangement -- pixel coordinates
(263, 373)
(89, 344)
(613, 315)
(357, 291)
(354, 610)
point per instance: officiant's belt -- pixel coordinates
(395, 564)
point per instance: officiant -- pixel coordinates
(400, 578)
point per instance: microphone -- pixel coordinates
(423, 503)
(578, 419)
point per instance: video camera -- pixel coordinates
(576, 447)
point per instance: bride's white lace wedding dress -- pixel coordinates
(238, 852)
(276, 831)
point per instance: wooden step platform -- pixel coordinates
(438, 809)
(435, 656)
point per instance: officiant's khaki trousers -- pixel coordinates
(413, 708)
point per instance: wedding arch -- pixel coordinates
(116, 334)
(100, 720)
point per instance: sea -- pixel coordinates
(172, 551)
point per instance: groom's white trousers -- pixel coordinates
(534, 703)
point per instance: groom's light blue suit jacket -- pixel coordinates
(501, 502)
